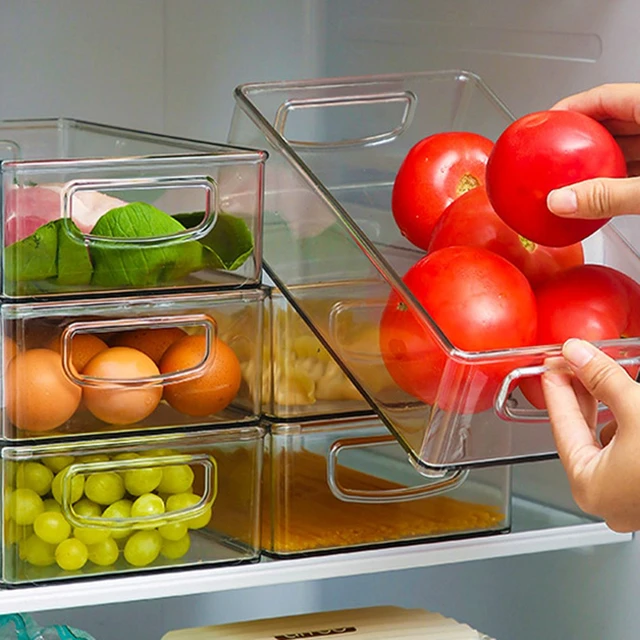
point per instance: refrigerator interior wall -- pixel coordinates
(171, 66)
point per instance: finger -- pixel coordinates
(606, 102)
(587, 403)
(597, 198)
(604, 379)
(575, 440)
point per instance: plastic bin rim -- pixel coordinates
(206, 147)
(191, 438)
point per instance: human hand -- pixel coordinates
(604, 471)
(617, 107)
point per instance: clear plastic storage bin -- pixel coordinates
(108, 507)
(172, 361)
(335, 146)
(347, 484)
(300, 377)
(91, 209)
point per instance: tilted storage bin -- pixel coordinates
(335, 147)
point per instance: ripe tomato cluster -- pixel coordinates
(500, 270)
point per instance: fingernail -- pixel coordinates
(562, 201)
(578, 352)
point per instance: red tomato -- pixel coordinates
(592, 302)
(436, 171)
(480, 302)
(470, 220)
(541, 152)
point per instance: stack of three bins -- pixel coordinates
(131, 320)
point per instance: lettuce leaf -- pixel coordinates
(144, 263)
(228, 245)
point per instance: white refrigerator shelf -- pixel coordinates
(536, 527)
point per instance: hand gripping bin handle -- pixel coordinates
(449, 479)
(626, 352)
(211, 207)
(403, 100)
(79, 470)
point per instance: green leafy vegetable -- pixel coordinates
(228, 245)
(56, 251)
(144, 263)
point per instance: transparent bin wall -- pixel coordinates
(131, 364)
(65, 232)
(347, 484)
(102, 508)
(335, 147)
(300, 377)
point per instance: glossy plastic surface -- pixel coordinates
(347, 484)
(91, 209)
(130, 364)
(335, 146)
(132, 504)
(300, 377)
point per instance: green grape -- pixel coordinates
(139, 481)
(175, 549)
(91, 535)
(104, 487)
(176, 479)
(51, 505)
(33, 475)
(87, 508)
(104, 553)
(147, 504)
(77, 487)
(51, 527)
(25, 506)
(37, 552)
(143, 547)
(120, 509)
(126, 456)
(71, 554)
(185, 501)
(58, 463)
(173, 531)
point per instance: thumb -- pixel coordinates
(597, 198)
(603, 377)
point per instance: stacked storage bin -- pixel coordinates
(131, 303)
(336, 474)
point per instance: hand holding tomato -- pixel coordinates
(617, 107)
(436, 171)
(470, 220)
(541, 152)
(603, 472)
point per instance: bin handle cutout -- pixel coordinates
(512, 413)
(406, 99)
(211, 206)
(154, 322)
(79, 469)
(449, 480)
